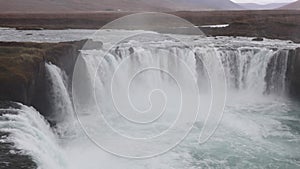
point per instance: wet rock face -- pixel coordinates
(19, 67)
(293, 73)
(22, 76)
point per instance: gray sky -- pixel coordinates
(262, 1)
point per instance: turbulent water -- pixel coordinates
(31, 133)
(259, 127)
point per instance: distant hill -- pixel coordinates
(78, 5)
(254, 6)
(294, 5)
(211, 4)
(114, 5)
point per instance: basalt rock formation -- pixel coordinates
(293, 73)
(22, 76)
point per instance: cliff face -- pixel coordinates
(293, 73)
(23, 77)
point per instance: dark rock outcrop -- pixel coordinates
(258, 39)
(293, 73)
(23, 77)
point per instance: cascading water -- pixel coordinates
(253, 74)
(257, 130)
(257, 70)
(31, 133)
(59, 92)
(63, 114)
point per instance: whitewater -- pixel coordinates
(259, 127)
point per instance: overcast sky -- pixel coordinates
(262, 1)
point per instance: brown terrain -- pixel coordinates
(53, 6)
(276, 24)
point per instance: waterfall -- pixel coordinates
(121, 79)
(31, 133)
(252, 69)
(132, 83)
(258, 70)
(63, 115)
(120, 69)
(255, 70)
(140, 88)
